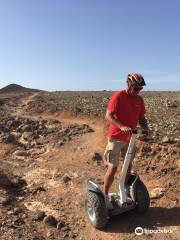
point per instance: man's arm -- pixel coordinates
(110, 117)
(143, 123)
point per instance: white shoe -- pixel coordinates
(108, 202)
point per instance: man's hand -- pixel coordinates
(145, 136)
(125, 129)
(147, 130)
(110, 117)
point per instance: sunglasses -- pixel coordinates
(137, 88)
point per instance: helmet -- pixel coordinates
(136, 79)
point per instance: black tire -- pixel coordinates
(96, 210)
(142, 197)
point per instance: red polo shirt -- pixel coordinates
(128, 110)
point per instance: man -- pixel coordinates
(125, 110)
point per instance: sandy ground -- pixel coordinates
(65, 200)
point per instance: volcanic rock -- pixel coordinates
(50, 220)
(39, 216)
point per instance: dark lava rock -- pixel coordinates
(17, 222)
(60, 224)
(18, 182)
(96, 157)
(66, 178)
(10, 138)
(5, 182)
(13, 124)
(60, 143)
(165, 171)
(50, 220)
(26, 128)
(38, 189)
(39, 216)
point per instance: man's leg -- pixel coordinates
(108, 178)
(111, 156)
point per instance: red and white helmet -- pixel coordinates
(136, 79)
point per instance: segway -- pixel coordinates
(134, 196)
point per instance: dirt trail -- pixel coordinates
(21, 108)
(66, 201)
(74, 159)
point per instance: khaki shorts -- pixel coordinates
(116, 151)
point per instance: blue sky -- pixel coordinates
(89, 44)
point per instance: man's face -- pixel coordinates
(134, 90)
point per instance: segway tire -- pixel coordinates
(96, 210)
(142, 197)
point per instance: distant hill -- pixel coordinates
(16, 88)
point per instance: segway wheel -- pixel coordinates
(96, 210)
(142, 197)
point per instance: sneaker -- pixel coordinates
(108, 202)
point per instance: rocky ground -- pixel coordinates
(52, 142)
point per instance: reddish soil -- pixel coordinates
(40, 184)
